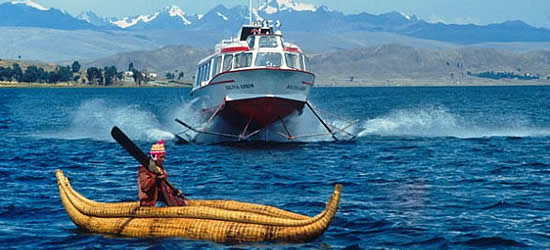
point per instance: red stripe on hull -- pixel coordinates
(262, 111)
(234, 49)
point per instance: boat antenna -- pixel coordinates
(250, 11)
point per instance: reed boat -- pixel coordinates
(221, 221)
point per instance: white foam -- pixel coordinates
(440, 122)
(94, 119)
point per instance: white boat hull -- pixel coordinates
(256, 97)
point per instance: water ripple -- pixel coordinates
(424, 175)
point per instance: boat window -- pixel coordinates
(207, 71)
(306, 63)
(268, 59)
(268, 42)
(294, 61)
(227, 62)
(243, 60)
(197, 77)
(201, 73)
(251, 40)
(217, 65)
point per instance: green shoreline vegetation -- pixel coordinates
(20, 74)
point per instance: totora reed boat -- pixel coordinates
(214, 220)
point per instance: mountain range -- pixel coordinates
(388, 64)
(294, 17)
(34, 32)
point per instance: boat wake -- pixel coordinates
(302, 127)
(440, 122)
(93, 119)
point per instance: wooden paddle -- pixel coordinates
(139, 155)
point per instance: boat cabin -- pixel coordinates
(248, 30)
(257, 47)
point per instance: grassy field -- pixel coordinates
(4, 84)
(24, 64)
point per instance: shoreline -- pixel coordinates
(322, 84)
(4, 84)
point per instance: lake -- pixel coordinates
(432, 167)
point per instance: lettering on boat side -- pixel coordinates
(294, 87)
(239, 86)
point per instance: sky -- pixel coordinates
(533, 12)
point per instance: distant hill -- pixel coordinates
(7, 63)
(54, 45)
(34, 32)
(397, 63)
(168, 59)
(384, 64)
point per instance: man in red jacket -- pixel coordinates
(153, 186)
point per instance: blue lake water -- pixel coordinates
(432, 167)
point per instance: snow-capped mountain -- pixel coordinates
(222, 19)
(27, 13)
(294, 17)
(172, 17)
(175, 17)
(92, 18)
(273, 6)
(30, 4)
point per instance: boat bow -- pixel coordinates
(214, 220)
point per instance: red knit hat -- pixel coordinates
(158, 149)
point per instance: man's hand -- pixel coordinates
(185, 201)
(152, 167)
(162, 176)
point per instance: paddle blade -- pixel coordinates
(130, 146)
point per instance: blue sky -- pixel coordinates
(534, 12)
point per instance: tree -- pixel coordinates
(138, 76)
(170, 76)
(64, 73)
(17, 73)
(180, 76)
(100, 79)
(52, 77)
(131, 67)
(119, 76)
(6, 74)
(32, 74)
(75, 67)
(93, 74)
(110, 74)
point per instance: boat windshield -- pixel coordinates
(251, 40)
(217, 65)
(268, 42)
(294, 61)
(227, 62)
(268, 59)
(243, 60)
